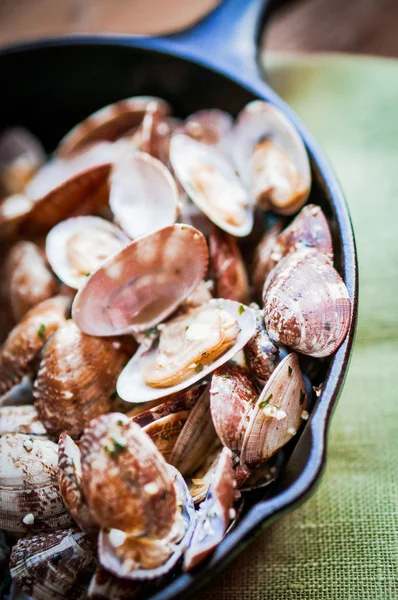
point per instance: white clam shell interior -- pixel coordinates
(57, 241)
(143, 195)
(187, 155)
(218, 122)
(131, 385)
(259, 120)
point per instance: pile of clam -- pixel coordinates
(143, 393)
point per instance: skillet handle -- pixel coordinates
(228, 37)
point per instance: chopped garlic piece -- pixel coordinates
(304, 415)
(117, 537)
(280, 414)
(292, 431)
(28, 519)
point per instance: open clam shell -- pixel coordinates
(306, 304)
(106, 586)
(196, 438)
(29, 279)
(76, 380)
(24, 343)
(70, 484)
(212, 127)
(131, 385)
(21, 154)
(125, 479)
(214, 514)
(143, 283)
(110, 123)
(29, 494)
(271, 158)
(276, 417)
(54, 566)
(157, 556)
(79, 245)
(143, 194)
(212, 184)
(232, 396)
(21, 419)
(261, 258)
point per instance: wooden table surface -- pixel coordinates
(364, 26)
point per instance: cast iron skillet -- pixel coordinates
(49, 86)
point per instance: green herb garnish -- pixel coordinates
(41, 332)
(166, 437)
(199, 368)
(263, 404)
(327, 326)
(241, 309)
(151, 331)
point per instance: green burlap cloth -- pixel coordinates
(343, 543)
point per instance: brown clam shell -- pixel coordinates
(21, 419)
(76, 380)
(126, 481)
(232, 396)
(21, 154)
(196, 438)
(29, 278)
(54, 566)
(227, 266)
(276, 417)
(306, 304)
(143, 283)
(25, 341)
(105, 586)
(262, 257)
(29, 485)
(261, 354)
(70, 481)
(309, 229)
(215, 513)
(110, 123)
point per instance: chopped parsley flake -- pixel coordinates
(87, 274)
(290, 371)
(41, 332)
(327, 326)
(263, 404)
(241, 309)
(106, 529)
(180, 507)
(199, 368)
(151, 331)
(302, 396)
(166, 437)
(116, 449)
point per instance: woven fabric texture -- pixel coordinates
(343, 543)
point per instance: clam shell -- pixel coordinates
(29, 485)
(276, 417)
(199, 481)
(21, 154)
(196, 438)
(227, 267)
(212, 127)
(70, 482)
(25, 341)
(131, 385)
(105, 586)
(262, 256)
(309, 229)
(126, 481)
(21, 419)
(259, 121)
(200, 295)
(215, 513)
(232, 396)
(62, 187)
(20, 395)
(13, 212)
(29, 279)
(306, 304)
(109, 123)
(212, 184)
(143, 283)
(261, 354)
(76, 380)
(143, 194)
(95, 240)
(149, 558)
(53, 566)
